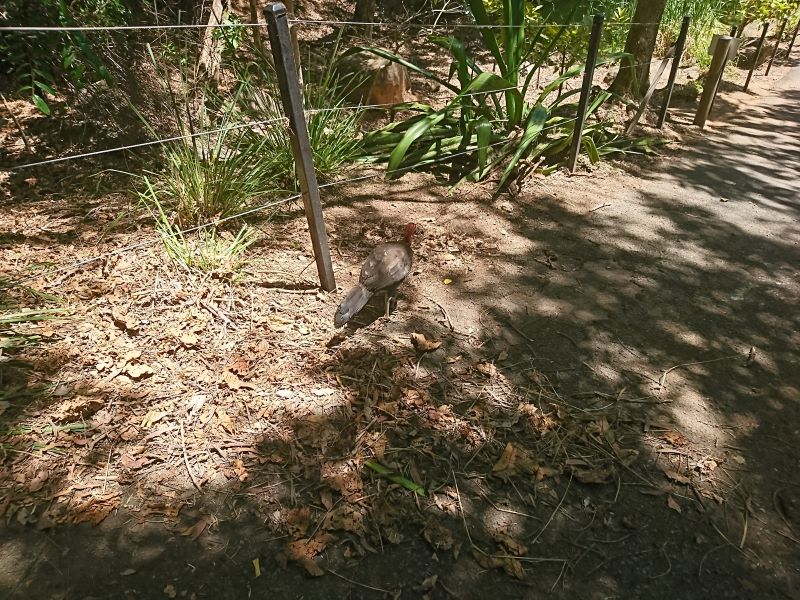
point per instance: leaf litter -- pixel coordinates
(337, 442)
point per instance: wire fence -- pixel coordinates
(425, 163)
(308, 22)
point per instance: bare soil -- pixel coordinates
(611, 411)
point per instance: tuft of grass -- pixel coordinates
(206, 249)
(333, 124)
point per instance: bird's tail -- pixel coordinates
(355, 299)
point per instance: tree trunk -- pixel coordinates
(210, 48)
(634, 72)
(259, 44)
(365, 13)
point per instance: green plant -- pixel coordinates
(40, 64)
(230, 35)
(213, 172)
(206, 249)
(490, 121)
(332, 122)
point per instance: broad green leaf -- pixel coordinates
(478, 11)
(41, 104)
(413, 134)
(591, 150)
(44, 87)
(533, 127)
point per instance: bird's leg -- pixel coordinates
(390, 301)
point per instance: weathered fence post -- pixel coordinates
(281, 44)
(673, 73)
(755, 56)
(794, 37)
(713, 79)
(777, 45)
(588, 75)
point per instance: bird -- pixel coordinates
(384, 270)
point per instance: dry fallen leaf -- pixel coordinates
(138, 370)
(423, 344)
(510, 544)
(676, 477)
(303, 552)
(438, 535)
(196, 530)
(594, 475)
(225, 420)
(516, 460)
(346, 518)
(674, 437)
(37, 483)
(189, 340)
(673, 504)
(487, 368)
(151, 418)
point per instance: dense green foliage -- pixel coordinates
(490, 122)
(39, 65)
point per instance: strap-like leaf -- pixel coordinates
(533, 127)
(478, 11)
(414, 132)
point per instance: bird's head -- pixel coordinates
(410, 229)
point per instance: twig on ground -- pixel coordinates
(186, 459)
(216, 312)
(358, 583)
(444, 311)
(564, 335)
(705, 556)
(689, 364)
(553, 514)
(599, 207)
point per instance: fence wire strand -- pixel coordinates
(160, 237)
(150, 143)
(310, 22)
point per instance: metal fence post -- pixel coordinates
(755, 56)
(588, 75)
(777, 45)
(713, 79)
(794, 37)
(281, 44)
(673, 73)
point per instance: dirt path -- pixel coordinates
(664, 299)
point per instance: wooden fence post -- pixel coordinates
(673, 73)
(794, 37)
(281, 44)
(713, 79)
(755, 56)
(777, 45)
(588, 75)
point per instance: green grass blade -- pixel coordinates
(478, 11)
(394, 477)
(591, 150)
(483, 132)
